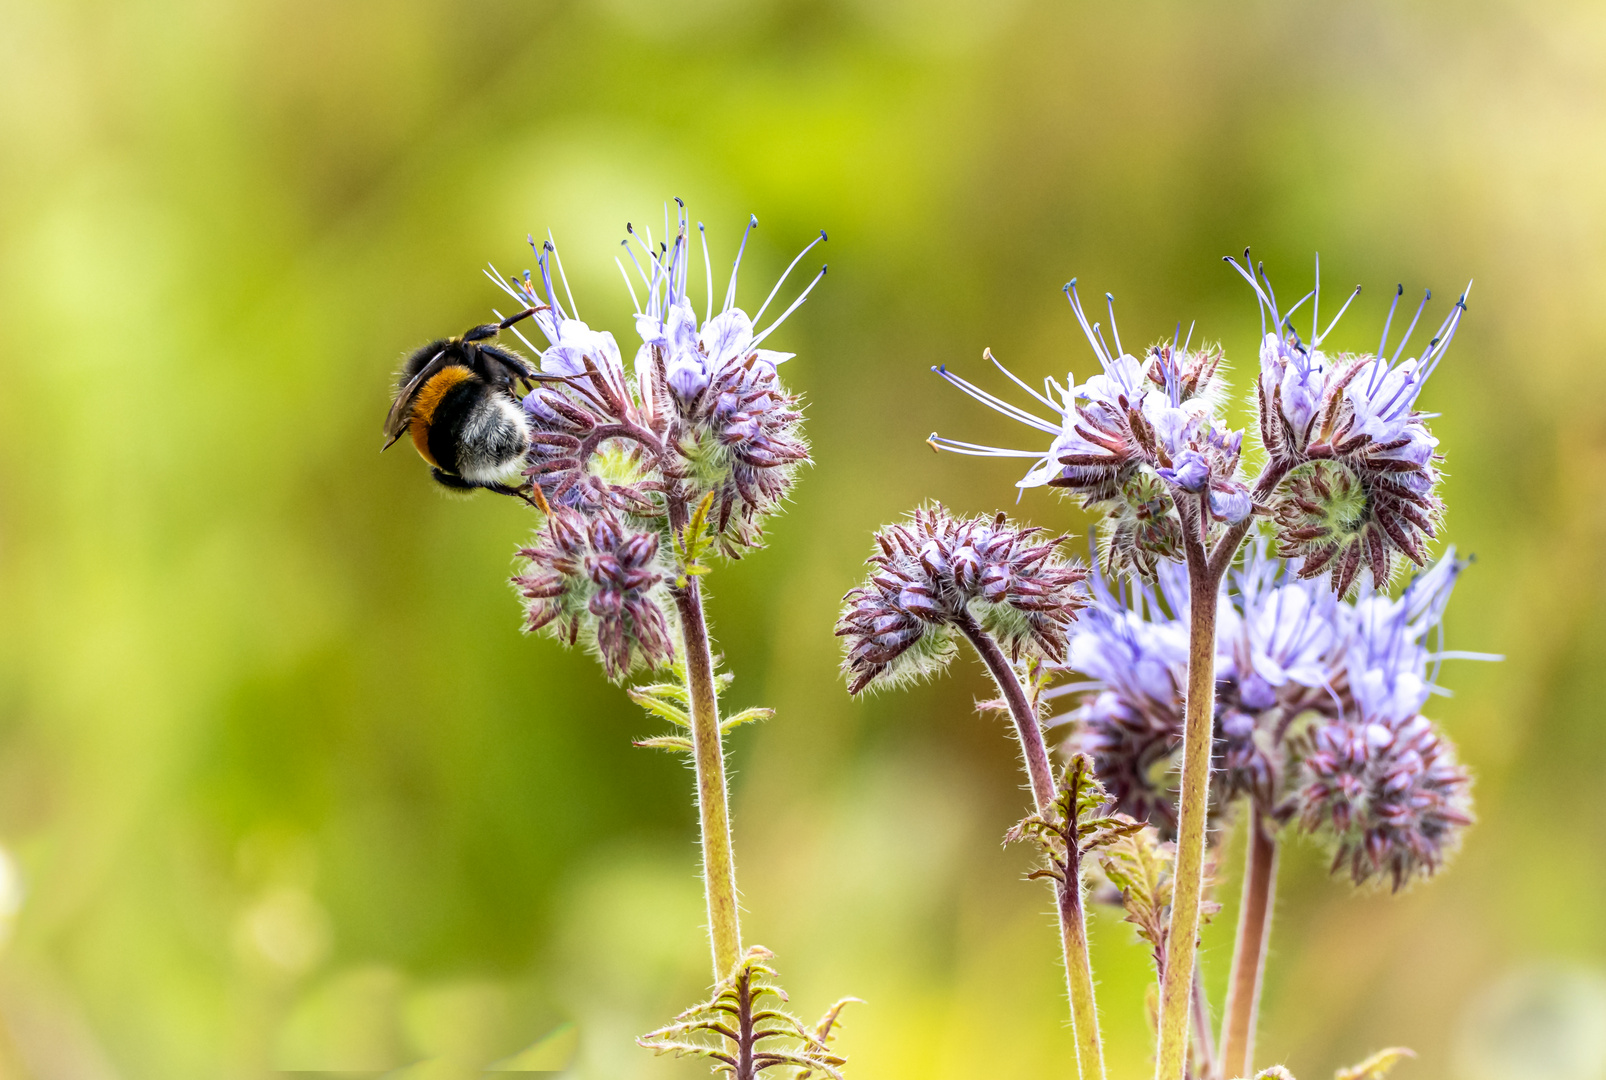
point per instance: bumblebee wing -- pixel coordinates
(396, 419)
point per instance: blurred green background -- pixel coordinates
(282, 786)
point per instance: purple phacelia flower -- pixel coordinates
(703, 412)
(936, 575)
(1353, 455)
(1139, 440)
(601, 579)
(1133, 651)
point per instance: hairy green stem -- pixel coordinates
(1067, 893)
(1249, 951)
(1182, 940)
(713, 801)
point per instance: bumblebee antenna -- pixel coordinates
(519, 316)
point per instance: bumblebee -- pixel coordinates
(457, 398)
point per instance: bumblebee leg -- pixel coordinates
(536, 497)
(451, 480)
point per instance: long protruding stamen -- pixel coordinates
(956, 446)
(987, 354)
(1246, 271)
(1427, 294)
(1315, 308)
(1109, 303)
(804, 295)
(1446, 334)
(1260, 268)
(1099, 333)
(708, 274)
(787, 273)
(501, 283)
(1399, 291)
(543, 260)
(1014, 412)
(730, 292)
(552, 245)
(1189, 339)
(628, 283)
(1087, 329)
(1337, 317)
(646, 281)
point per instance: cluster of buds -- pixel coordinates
(599, 579)
(623, 459)
(1389, 795)
(1317, 714)
(1140, 441)
(1353, 454)
(936, 575)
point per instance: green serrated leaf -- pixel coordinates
(659, 707)
(1377, 1066)
(677, 743)
(668, 691)
(746, 716)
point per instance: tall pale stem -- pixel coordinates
(1249, 952)
(1183, 937)
(1068, 893)
(713, 802)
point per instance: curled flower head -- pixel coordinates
(1388, 795)
(936, 575)
(1139, 440)
(731, 426)
(1355, 459)
(600, 579)
(703, 410)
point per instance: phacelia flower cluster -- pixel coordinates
(1140, 441)
(1351, 476)
(1355, 460)
(935, 576)
(699, 427)
(702, 413)
(1317, 714)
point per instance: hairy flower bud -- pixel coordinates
(1389, 797)
(598, 580)
(936, 574)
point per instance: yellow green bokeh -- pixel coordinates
(282, 784)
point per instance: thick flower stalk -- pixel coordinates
(1004, 589)
(1348, 484)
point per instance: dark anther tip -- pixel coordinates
(1110, 297)
(680, 202)
(752, 221)
(825, 267)
(1399, 290)
(1428, 294)
(823, 236)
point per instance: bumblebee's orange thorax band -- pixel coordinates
(427, 400)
